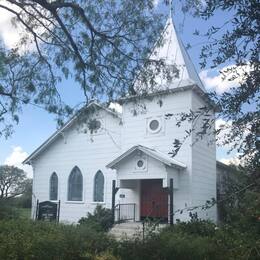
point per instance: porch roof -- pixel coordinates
(150, 152)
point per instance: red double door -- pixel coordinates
(154, 199)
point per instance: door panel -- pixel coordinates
(154, 199)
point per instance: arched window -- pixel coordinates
(99, 187)
(54, 186)
(75, 185)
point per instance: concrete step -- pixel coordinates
(133, 229)
(126, 230)
(129, 225)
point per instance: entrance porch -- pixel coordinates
(145, 184)
(139, 200)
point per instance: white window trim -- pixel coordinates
(101, 130)
(58, 191)
(145, 166)
(83, 190)
(159, 130)
(98, 202)
(93, 191)
(74, 201)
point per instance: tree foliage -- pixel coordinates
(13, 182)
(236, 42)
(25, 200)
(101, 44)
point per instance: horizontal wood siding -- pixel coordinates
(203, 166)
(90, 154)
(196, 183)
(135, 132)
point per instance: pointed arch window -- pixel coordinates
(75, 185)
(99, 187)
(54, 186)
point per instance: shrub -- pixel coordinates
(100, 220)
(24, 239)
(196, 239)
(41, 240)
(169, 245)
(195, 226)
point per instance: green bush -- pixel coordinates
(40, 240)
(100, 220)
(197, 239)
(169, 245)
(195, 226)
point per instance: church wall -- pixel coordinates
(203, 166)
(90, 155)
(153, 169)
(135, 132)
(135, 126)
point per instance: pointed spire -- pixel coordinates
(170, 7)
(174, 53)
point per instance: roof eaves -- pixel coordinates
(121, 157)
(225, 166)
(192, 86)
(168, 161)
(157, 93)
(66, 125)
(48, 141)
(154, 154)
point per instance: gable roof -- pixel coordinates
(54, 136)
(150, 152)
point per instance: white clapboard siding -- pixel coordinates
(77, 149)
(203, 166)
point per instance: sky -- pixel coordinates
(37, 125)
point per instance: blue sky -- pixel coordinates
(37, 125)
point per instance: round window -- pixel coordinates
(140, 163)
(94, 125)
(154, 125)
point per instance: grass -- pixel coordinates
(24, 213)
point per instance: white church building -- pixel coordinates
(130, 150)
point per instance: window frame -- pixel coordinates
(159, 130)
(75, 170)
(95, 187)
(50, 187)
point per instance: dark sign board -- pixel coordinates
(47, 211)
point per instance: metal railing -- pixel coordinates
(125, 212)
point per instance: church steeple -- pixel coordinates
(171, 49)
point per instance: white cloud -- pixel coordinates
(156, 2)
(9, 33)
(234, 160)
(16, 158)
(214, 81)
